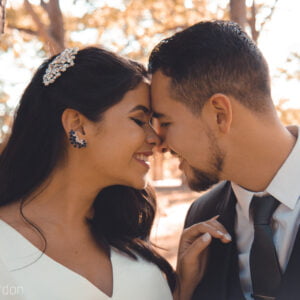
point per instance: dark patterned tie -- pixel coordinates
(264, 265)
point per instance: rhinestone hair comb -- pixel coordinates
(60, 64)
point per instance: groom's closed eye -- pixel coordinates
(164, 124)
(157, 115)
(161, 119)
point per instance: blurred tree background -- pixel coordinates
(36, 29)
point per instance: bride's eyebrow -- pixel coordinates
(143, 108)
(158, 115)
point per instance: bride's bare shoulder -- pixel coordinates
(9, 212)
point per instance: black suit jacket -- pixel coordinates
(221, 279)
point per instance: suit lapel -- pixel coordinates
(232, 286)
(290, 286)
(221, 281)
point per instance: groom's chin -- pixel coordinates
(200, 186)
(200, 181)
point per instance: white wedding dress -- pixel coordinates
(27, 274)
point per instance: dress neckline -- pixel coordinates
(63, 267)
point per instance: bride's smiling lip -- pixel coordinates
(143, 158)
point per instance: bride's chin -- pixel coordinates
(139, 184)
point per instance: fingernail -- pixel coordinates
(220, 232)
(206, 237)
(228, 236)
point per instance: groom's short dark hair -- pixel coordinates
(213, 57)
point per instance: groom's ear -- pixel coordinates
(220, 107)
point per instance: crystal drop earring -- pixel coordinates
(75, 140)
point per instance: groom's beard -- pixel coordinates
(199, 180)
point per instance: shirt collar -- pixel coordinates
(284, 186)
(243, 197)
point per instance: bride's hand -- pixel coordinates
(193, 252)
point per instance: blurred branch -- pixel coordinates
(269, 16)
(44, 5)
(252, 20)
(56, 27)
(23, 29)
(292, 61)
(2, 15)
(54, 40)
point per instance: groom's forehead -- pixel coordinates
(160, 91)
(160, 83)
(163, 102)
(161, 107)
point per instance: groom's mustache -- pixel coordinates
(165, 149)
(176, 154)
(173, 152)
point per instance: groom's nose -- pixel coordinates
(161, 146)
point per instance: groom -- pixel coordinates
(211, 93)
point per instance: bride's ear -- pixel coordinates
(73, 120)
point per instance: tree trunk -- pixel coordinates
(2, 15)
(252, 23)
(56, 27)
(238, 12)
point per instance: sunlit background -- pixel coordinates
(37, 29)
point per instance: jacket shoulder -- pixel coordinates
(206, 206)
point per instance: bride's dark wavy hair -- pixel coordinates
(123, 216)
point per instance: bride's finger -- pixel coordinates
(199, 245)
(214, 218)
(196, 230)
(218, 226)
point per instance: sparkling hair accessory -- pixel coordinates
(60, 64)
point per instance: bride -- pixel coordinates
(75, 209)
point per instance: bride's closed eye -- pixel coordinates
(138, 122)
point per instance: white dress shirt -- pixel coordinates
(285, 187)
